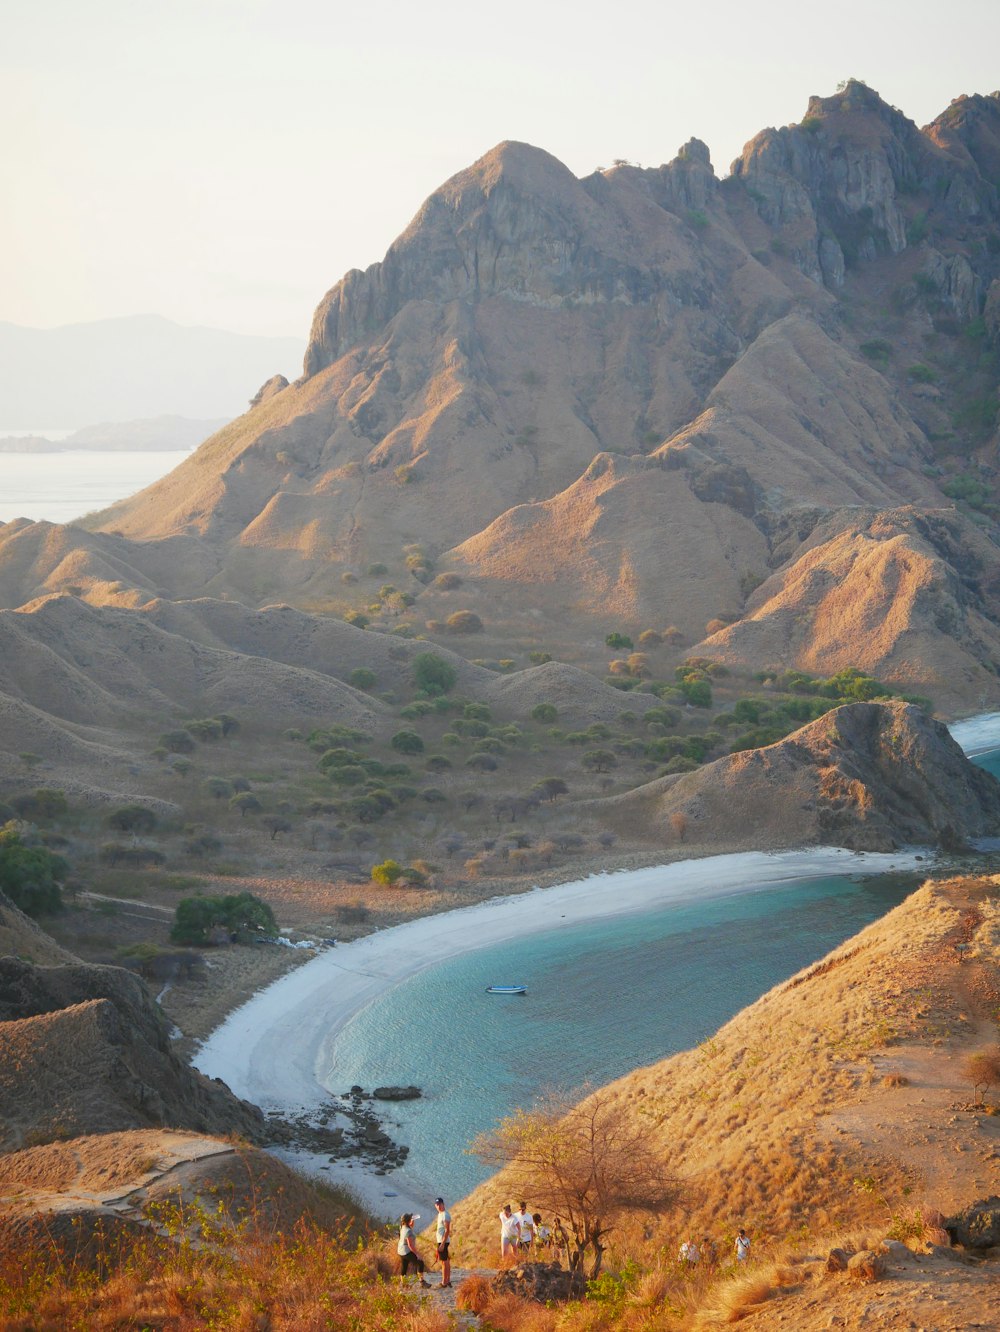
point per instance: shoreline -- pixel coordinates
(269, 1049)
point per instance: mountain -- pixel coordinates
(135, 367)
(738, 407)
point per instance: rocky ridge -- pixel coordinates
(644, 393)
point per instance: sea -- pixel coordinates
(602, 999)
(62, 487)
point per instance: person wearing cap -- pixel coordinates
(442, 1238)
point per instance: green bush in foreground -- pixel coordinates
(239, 913)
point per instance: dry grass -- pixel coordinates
(199, 1269)
(511, 1313)
(735, 1299)
(474, 1294)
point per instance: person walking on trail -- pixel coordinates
(510, 1233)
(689, 1252)
(407, 1250)
(560, 1238)
(442, 1239)
(527, 1225)
(543, 1235)
(742, 1246)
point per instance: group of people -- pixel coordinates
(522, 1231)
(689, 1251)
(411, 1261)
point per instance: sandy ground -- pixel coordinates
(269, 1049)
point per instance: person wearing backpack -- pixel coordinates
(742, 1246)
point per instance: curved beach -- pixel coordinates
(269, 1050)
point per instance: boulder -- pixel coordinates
(867, 1265)
(396, 1093)
(978, 1226)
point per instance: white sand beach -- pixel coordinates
(268, 1051)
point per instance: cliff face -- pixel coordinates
(651, 387)
(84, 1049)
(867, 776)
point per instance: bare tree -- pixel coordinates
(589, 1163)
(982, 1070)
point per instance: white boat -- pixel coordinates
(506, 989)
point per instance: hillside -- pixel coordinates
(759, 410)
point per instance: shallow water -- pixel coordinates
(603, 998)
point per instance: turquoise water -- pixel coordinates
(603, 998)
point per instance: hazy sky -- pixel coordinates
(224, 162)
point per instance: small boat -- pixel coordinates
(506, 989)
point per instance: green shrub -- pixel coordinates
(407, 742)
(432, 675)
(30, 875)
(236, 913)
(877, 350)
(362, 677)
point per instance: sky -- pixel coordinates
(225, 162)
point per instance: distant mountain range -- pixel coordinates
(158, 434)
(136, 367)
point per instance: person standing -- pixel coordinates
(742, 1246)
(442, 1238)
(527, 1227)
(407, 1250)
(510, 1233)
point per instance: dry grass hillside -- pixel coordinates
(835, 1105)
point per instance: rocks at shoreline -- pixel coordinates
(363, 1136)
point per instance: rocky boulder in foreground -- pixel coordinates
(867, 776)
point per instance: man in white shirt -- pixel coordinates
(510, 1233)
(442, 1238)
(527, 1227)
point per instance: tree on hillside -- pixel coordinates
(133, 819)
(432, 674)
(239, 913)
(588, 1163)
(30, 875)
(246, 802)
(982, 1069)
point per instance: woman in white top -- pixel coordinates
(407, 1250)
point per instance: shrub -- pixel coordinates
(618, 641)
(539, 658)
(133, 819)
(178, 742)
(43, 803)
(464, 622)
(447, 582)
(388, 873)
(362, 677)
(407, 742)
(30, 875)
(921, 374)
(196, 917)
(876, 350)
(433, 675)
(358, 619)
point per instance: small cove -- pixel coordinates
(603, 998)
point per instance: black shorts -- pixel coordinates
(443, 1252)
(410, 1260)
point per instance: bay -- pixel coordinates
(603, 998)
(62, 487)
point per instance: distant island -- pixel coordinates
(152, 435)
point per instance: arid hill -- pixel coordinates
(650, 396)
(869, 776)
(84, 1049)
